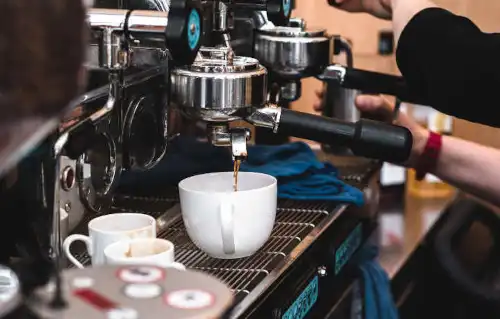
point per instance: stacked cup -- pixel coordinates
(123, 239)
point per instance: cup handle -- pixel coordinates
(227, 226)
(177, 266)
(67, 245)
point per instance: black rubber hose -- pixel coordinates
(365, 138)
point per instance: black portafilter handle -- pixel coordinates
(366, 138)
(370, 82)
(184, 31)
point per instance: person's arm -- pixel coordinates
(448, 60)
(473, 168)
(444, 58)
(403, 11)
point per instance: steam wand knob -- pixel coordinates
(184, 31)
(279, 11)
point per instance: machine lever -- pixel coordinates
(371, 82)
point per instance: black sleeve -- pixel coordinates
(453, 64)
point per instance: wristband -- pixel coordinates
(429, 156)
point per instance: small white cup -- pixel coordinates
(108, 229)
(227, 224)
(143, 251)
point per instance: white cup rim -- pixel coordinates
(91, 224)
(182, 184)
(135, 240)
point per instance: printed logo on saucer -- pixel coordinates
(190, 299)
(141, 274)
(122, 313)
(143, 291)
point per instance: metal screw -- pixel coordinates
(67, 207)
(322, 271)
(277, 313)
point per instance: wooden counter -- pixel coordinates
(403, 226)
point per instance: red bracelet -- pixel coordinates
(429, 156)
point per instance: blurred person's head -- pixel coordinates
(42, 48)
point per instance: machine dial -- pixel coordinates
(184, 31)
(279, 11)
(143, 139)
(97, 172)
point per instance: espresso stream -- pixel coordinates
(236, 169)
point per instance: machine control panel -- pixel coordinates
(129, 292)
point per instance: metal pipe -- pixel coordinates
(139, 20)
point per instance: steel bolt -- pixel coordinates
(67, 207)
(322, 271)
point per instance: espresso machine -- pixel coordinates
(149, 71)
(97, 139)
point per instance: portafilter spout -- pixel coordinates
(220, 134)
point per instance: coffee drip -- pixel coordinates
(236, 169)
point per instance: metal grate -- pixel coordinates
(294, 221)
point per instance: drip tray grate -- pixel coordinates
(294, 221)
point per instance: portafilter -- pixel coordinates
(297, 52)
(217, 91)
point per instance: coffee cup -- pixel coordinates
(224, 223)
(108, 229)
(142, 251)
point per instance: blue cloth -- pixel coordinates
(301, 176)
(378, 301)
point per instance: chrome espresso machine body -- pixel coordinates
(142, 64)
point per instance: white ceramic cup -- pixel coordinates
(108, 229)
(143, 251)
(224, 223)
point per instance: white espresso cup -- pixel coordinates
(143, 251)
(108, 229)
(224, 223)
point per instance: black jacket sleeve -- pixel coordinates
(450, 62)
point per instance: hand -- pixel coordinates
(318, 104)
(379, 107)
(378, 8)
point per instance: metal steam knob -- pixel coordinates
(184, 31)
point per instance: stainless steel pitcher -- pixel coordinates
(338, 102)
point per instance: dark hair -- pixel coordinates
(42, 49)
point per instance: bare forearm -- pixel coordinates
(471, 167)
(404, 10)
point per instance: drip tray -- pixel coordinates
(294, 221)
